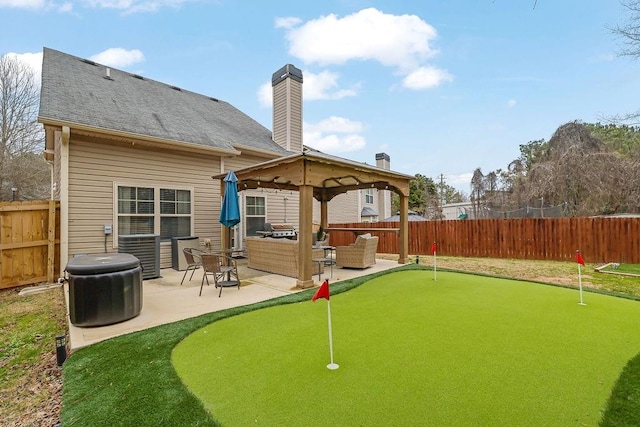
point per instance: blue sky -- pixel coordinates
(441, 86)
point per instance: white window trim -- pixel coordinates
(368, 193)
(156, 206)
(244, 209)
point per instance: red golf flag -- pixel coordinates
(433, 248)
(579, 259)
(322, 292)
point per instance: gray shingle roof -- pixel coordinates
(75, 90)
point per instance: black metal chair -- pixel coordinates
(222, 268)
(192, 256)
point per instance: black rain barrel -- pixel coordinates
(104, 288)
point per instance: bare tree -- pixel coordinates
(629, 32)
(477, 191)
(21, 137)
(578, 170)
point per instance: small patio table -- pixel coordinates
(327, 260)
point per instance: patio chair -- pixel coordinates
(222, 268)
(192, 256)
(361, 254)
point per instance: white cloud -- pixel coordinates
(402, 42)
(334, 135)
(265, 95)
(125, 6)
(456, 180)
(335, 124)
(134, 6)
(25, 4)
(426, 78)
(605, 57)
(31, 60)
(288, 22)
(323, 85)
(118, 57)
(393, 40)
(511, 103)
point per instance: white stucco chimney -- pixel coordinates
(383, 161)
(287, 108)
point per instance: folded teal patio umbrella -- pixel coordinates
(230, 210)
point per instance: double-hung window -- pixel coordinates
(136, 210)
(368, 196)
(175, 213)
(255, 210)
(154, 210)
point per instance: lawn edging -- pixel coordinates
(623, 406)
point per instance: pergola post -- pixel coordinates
(404, 229)
(324, 214)
(305, 267)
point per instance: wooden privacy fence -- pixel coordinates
(29, 242)
(598, 239)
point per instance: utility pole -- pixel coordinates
(442, 177)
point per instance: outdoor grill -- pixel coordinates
(278, 231)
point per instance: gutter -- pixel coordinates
(150, 140)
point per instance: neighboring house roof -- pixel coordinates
(413, 216)
(367, 211)
(79, 91)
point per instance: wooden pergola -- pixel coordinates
(319, 176)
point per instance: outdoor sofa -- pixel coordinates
(277, 255)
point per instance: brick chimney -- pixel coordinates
(383, 161)
(287, 108)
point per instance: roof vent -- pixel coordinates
(107, 73)
(214, 99)
(176, 88)
(88, 61)
(138, 76)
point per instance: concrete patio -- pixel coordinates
(166, 301)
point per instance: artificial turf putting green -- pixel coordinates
(462, 350)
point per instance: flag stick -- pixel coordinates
(330, 365)
(580, 282)
(434, 265)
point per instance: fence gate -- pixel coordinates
(29, 242)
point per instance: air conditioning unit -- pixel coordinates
(145, 247)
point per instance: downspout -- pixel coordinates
(64, 198)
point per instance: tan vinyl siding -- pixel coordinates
(287, 115)
(276, 207)
(343, 208)
(239, 162)
(280, 115)
(93, 170)
(296, 116)
(383, 204)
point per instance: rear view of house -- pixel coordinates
(133, 156)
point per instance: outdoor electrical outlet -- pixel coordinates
(108, 229)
